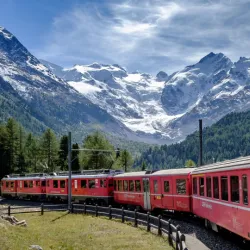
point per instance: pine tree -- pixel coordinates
(143, 166)
(31, 152)
(63, 153)
(4, 152)
(12, 143)
(95, 159)
(21, 159)
(49, 150)
(75, 158)
(126, 160)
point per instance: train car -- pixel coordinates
(131, 189)
(9, 186)
(170, 190)
(220, 194)
(56, 187)
(31, 186)
(94, 186)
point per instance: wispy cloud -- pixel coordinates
(149, 35)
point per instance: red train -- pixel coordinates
(218, 193)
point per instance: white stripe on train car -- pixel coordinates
(222, 203)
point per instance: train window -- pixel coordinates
(43, 183)
(101, 183)
(12, 184)
(216, 187)
(21, 184)
(201, 184)
(137, 186)
(125, 185)
(166, 186)
(114, 185)
(47, 183)
(131, 186)
(244, 189)
(7, 184)
(83, 183)
(25, 184)
(209, 186)
(181, 186)
(224, 188)
(62, 184)
(195, 185)
(91, 183)
(31, 184)
(235, 194)
(38, 183)
(155, 186)
(119, 185)
(55, 184)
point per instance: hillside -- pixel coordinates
(227, 139)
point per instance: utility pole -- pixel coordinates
(69, 167)
(200, 139)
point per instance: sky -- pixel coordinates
(144, 35)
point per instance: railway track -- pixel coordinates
(195, 227)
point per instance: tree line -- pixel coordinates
(24, 152)
(229, 138)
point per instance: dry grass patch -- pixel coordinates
(73, 231)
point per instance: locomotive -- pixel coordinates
(218, 192)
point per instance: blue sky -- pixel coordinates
(144, 35)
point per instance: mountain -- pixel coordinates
(133, 106)
(208, 90)
(132, 98)
(167, 107)
(37, 98)
(228, 138)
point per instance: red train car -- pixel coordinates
(31, 186)
(56, 187)
(9, 186)
(90, 186)
(221, 195)
(94, 187)
(170, 190)
(129, 189)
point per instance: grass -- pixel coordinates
(73, 231)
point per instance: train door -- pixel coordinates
(167, 193)
(146, 193)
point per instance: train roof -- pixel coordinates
(174, 171)
(238, 163)
(25, 176)
(138, 173)
(129, 174)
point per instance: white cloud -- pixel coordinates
(149, 35)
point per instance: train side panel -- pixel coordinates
(93, 189)
(221, 198)
(8, 187)
(129, 190)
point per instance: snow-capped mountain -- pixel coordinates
(133, 98)
(36, 97)
(167, 107)
(134, 106)
(208, 90)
